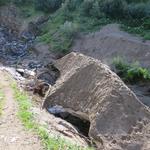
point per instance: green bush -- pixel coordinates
(69, 29)
(131, 73)
(146, 24)
(23, 2)
(96, 11)
(114, 8)
(121, 68)
(63, 38)
(71, 5)
(47, 5)
(2, 2)
(137, 74)
(87, 6)
(138, 11)
(137, 1)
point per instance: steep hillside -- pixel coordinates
(68, 17)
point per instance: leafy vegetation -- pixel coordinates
(47, 5)
(27, 118)
(61, 39)
(88, 15)
(131, 73)
(3, 2)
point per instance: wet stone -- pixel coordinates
(13, 48)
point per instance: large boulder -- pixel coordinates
(90, 90)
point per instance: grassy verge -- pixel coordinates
(27, 118)
(1, 101)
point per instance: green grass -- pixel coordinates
(60, 41)
(27, 118)
(1, 101)
(131, 73)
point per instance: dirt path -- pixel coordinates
(12, 134)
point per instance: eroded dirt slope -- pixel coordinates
(110, 42)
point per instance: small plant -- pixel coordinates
(121, 68)
(147, 36)
(68, 29)
(132, 73)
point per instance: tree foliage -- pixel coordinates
(48, 5)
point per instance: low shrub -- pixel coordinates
(63, 38)
(71, 5)
(47, 5)
(138, 11)
(114, 8)
(3, 2)
(86, 7)
(91, 8)
(146, 24)
(131, 73)
(96, 11)
(23, 2)
(137, 1)
(68, 29)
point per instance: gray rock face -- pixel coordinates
(88, 89)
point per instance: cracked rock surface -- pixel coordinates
(90, 90)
